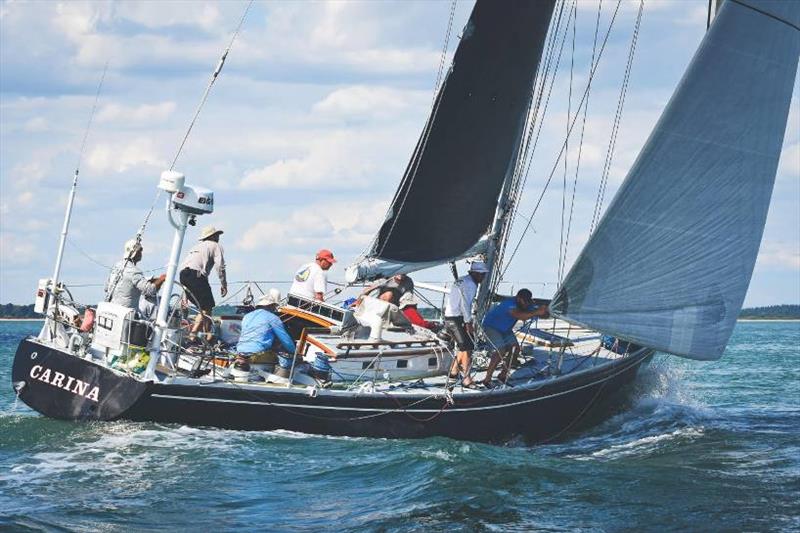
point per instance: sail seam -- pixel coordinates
(766, 13)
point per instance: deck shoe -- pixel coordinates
(243, 366)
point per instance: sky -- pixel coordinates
(305, 134)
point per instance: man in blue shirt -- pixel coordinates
(498, 325)
(260, 328)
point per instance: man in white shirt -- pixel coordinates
(458, 318)
(311, 279)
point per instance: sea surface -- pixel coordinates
(695, 446)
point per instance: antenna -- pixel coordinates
(71, 199)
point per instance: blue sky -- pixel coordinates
(305, 135)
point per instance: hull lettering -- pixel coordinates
(72, 385)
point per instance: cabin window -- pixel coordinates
(366, 365)
(402, 363)
(431, 361)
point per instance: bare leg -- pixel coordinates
(462, 362)
(454, 368)
(198, 321)
(493, 362)
(507, 357)
(465, 360)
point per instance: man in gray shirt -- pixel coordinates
(195, 270)
(126, 283)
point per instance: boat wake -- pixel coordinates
(661, 414)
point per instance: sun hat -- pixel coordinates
(272, 297)
(478, 267)
(327, 255)
(209, 231)
(131, 247)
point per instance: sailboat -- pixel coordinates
(666, 269)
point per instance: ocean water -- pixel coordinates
(695, 446)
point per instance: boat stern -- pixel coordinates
(61, 385)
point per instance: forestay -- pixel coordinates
(448, 195)
(669, 265)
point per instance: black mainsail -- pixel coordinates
(670, 262)
(448, 195)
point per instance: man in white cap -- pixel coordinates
(311, 279)
(126, 283)
(260, 328)
(458, 319)
(194, 274)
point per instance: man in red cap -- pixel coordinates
(311, 279)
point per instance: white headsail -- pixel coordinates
(670, 262)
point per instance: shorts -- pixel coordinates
(197, 289)
(455, 327)
(499, 340)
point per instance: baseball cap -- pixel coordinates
(327, 255)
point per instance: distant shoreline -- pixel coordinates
(768, 319)
(21, 319)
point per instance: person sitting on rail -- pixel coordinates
(391, 290)
(408, 305)
(260, 328)
(498, 325)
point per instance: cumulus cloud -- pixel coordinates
(334, 161)
(780, 255)
(789, 167)
(16, 251)
(369, 102)
(342, 224)
(121, 157)
(145, 113)
(36, 125)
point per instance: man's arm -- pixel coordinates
(320, 286)
(147, 287)
(283, 336)
(219, 260)
(525, 315)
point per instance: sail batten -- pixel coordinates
(448, 196)
(670, 262)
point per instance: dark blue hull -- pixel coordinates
(538, 412)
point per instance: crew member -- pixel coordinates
(194, 274)
(408, 304)
(391, 290)
(260, 328)
(498, 325)
(126, 283)
(458, 319)
(311, 279)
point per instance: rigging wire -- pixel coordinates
(598, 208)
(214, 76)
(535, 123)
(91, 118)
(444, 50)
(592, 72)
(561, 256)
(580, 143)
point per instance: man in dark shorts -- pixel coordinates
(194, 278)
(458, 319)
